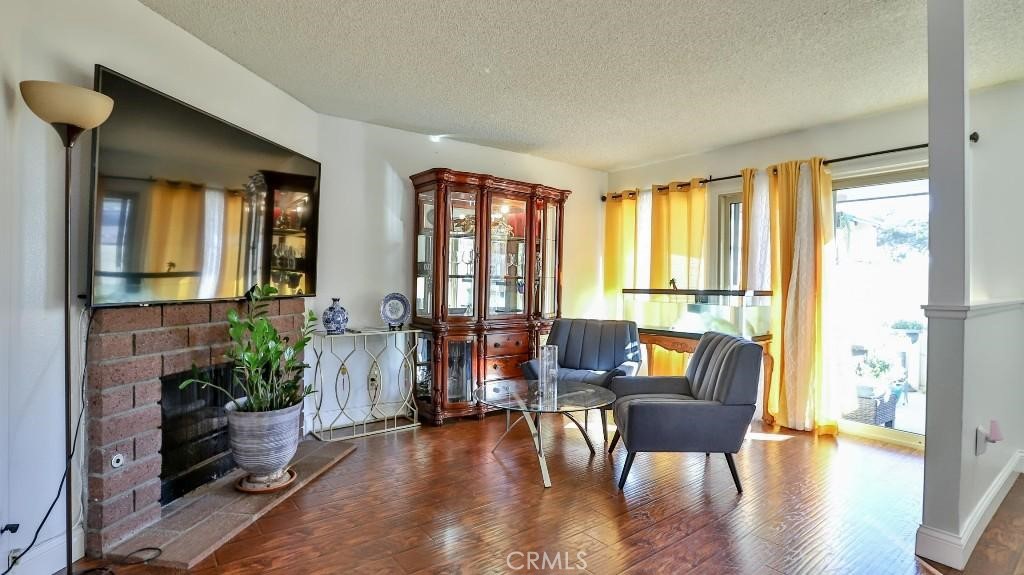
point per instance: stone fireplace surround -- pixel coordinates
(129, 349)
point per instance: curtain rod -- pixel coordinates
(826, 162)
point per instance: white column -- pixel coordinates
(948, 164)
(939, 537)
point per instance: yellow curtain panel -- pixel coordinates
(678, 230)
(745, 241)
(619, 247)
(231, 263)
(172, 245)
(802, 216)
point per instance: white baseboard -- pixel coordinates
(955, 549)
(48, 557)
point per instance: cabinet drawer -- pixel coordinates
(507, 343)
(505, 367)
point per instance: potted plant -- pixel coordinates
(872, 369)
(263, 424)
(910, 327)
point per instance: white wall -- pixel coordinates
(366, 218)
(894, 129)
(997, 195)
(366, 207)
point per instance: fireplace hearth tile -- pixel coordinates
(199, 509)
(151, 537)
(194, 526)
(208, 534)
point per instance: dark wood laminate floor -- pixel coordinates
(437, 501)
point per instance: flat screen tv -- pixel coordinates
(187, 207)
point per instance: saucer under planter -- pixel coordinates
(245, 486)
(263, 443)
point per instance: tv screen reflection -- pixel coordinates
(188, 207)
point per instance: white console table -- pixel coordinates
(383, 363)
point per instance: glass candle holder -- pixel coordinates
(548, 383)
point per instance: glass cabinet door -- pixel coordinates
(460, 371)
(292, 257)
(506, 284)
(424, 366)
(425, 230)
(461, 253)
(546, 273)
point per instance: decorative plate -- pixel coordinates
(394, 309)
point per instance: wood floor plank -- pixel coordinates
(438, 501)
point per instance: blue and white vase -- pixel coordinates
(335, 318)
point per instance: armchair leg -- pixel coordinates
(615, 440)
(604, 425)
(625, 469)
(735, 476)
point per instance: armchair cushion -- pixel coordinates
(531, 370)
(662, 423)
(601, 378)
(623, 386)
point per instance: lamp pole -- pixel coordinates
(68, 135)
(71, 110)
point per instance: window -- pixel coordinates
(114, 219)
(730, 240)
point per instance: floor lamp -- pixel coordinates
(71, 110)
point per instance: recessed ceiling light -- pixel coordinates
(436, 137)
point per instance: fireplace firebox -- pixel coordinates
(196, 447)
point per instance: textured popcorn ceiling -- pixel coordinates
(599, 83)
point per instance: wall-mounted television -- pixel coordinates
(188, 207)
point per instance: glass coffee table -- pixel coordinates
(525, 396)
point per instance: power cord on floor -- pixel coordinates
(137, 557)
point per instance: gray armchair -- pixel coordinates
(592, 351)
(709, 409)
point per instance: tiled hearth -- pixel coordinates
(130, 349)
(196, 525)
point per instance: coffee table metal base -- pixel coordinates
(536, 428)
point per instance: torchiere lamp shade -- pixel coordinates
(59, 103)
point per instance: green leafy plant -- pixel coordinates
(876, 366)
(268, 367)
(908, 324)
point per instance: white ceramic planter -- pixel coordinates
(263, 443)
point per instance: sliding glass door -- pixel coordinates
(879, 283)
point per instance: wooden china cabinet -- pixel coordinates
(488, 283)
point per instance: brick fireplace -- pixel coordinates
(129, 350)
